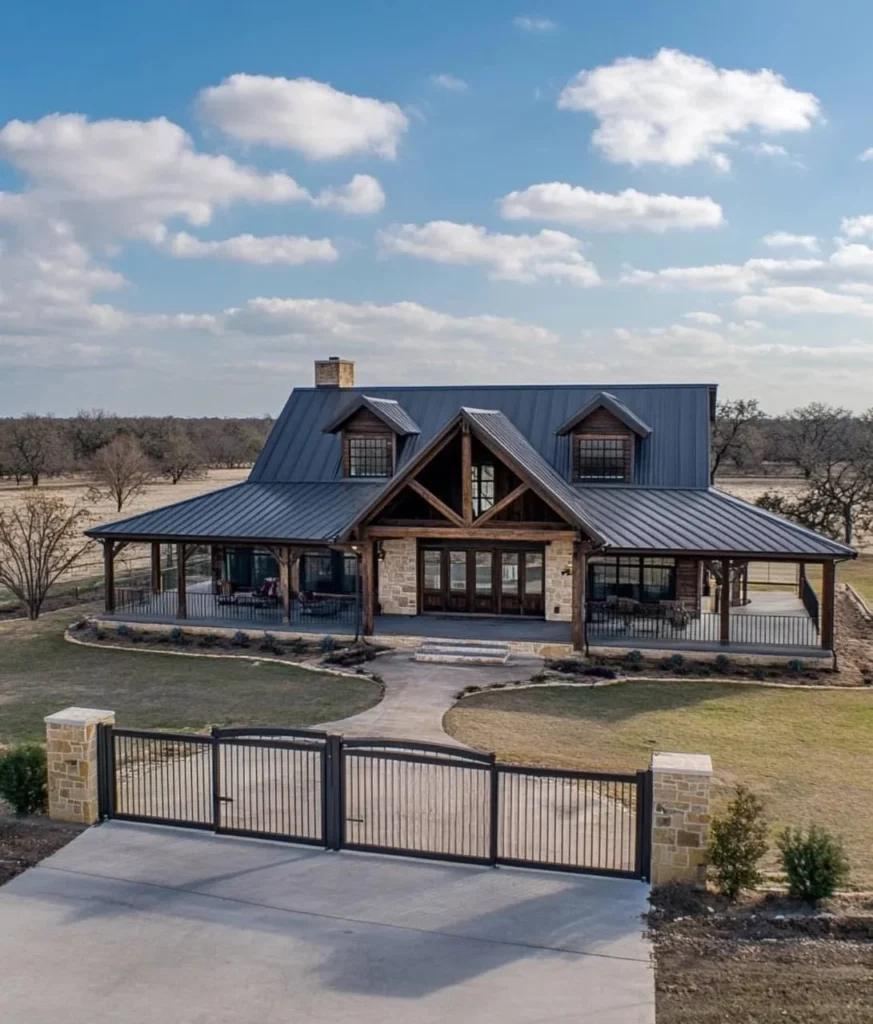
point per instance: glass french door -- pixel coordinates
(483, 581)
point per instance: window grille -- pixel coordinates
(601, 458)
(483, 487)
(369, 456)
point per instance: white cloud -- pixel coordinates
(724, 276)
(534, 24)
(266, 249)
(676, 109)
(769, 149)
(802, 301)
(866, 155)
(787, 240)
(703, 318)
(572, 204)
(450, 83)
(363, 194)
(301, 114)
(549, 254)
(853, 258)
(857, 227)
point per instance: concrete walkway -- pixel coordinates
(418, 694)
(138, 923)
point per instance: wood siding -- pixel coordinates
(366, 424)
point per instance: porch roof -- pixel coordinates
(278, 513)
(710, 521)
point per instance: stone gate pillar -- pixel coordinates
(71, 752)
(681, 785)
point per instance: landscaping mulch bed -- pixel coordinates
(26, 841)
(766, 960)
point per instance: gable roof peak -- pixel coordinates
(388, 410)
(606, 400)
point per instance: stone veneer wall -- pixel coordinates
(681, 786)
(71, 752)
(559, 588)
(398, 577)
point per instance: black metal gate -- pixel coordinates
(387, 796)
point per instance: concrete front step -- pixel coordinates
(451, 653)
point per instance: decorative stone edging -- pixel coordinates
(239, 657)
(859, 602)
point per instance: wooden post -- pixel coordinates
(801, 578)
(725, 608)
(287, 605)
(466, 474)
(156, 567)
(578, 604)
(367, 609)
(181, 582)
(109, 575)
(828, 591)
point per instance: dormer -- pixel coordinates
(371, 431)
(603, 436)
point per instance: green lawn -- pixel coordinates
(808, 753)
(858, 572)
(40, 673)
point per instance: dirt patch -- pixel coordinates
(854, 642)
(26, 841)
(766, 960)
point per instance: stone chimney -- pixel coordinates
(334, 372)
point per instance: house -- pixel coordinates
(546, 514)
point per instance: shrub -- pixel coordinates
(176, 635)
(123, 630)
(737, 842)
(298, 645)
(675, 661)
(795, 666)
(635, 657)
(24, 778)
(814, 862)
(599, 671)
(326, 644)
(239, 639)
(270, 644)
(208, 640)
(722, 663)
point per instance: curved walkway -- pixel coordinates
(418, 694)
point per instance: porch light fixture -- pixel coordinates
(567, 571)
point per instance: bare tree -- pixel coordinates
(123, 469)
(838, 462)
(40, 540)
(812, 434)
(735, 428)
(179, 458)
(35, 446)
(89, 431)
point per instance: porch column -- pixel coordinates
(109, 575)
(580, 564)
(801, 579)
(285, 583)
(466, 474)
(181, 582)
(725, 608)
(828, 591)
(156, 567)
(367, 604)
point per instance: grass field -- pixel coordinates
(40, 673)
(808, 753)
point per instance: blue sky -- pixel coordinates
(195, 203)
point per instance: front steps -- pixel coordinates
(463, 652)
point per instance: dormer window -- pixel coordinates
(597, 458)
(369, 456)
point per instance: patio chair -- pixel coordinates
(312, 605)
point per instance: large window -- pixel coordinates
(634, 577)
(329, 572)
(483, 487)
(600, 458)
(369, 456)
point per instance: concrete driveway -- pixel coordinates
(137, 923)
(418, 694)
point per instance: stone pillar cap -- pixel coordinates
(80, 716)
(682, 764)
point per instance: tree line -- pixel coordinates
(33, 447)
(828, 447)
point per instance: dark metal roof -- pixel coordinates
(676, 454)
(507, 440)
(252, 511)
(646, 519)
(391, 413)
(618, 409)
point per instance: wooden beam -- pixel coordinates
(109, 575)
(801, 578)
(433, 500)
(450, 533)
(725, 608)
(504, 502)
(580, 568)
(828, 592)
(181, 581)
(367, 602)
(467, 473)
(156, 567)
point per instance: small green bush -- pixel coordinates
(814, 862)
(24, 778)
(737, 842)
(635, 657)
(209, 640)
(795, 666)
(239, 639)
(298, 645)
(176, 636)
(123, 630)
(722, 663)
(327, 644)
(270, 644)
